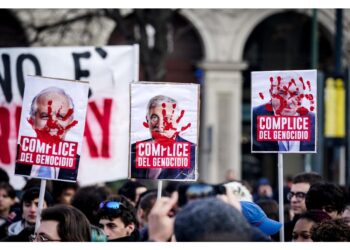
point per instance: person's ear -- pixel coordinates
(130, 228)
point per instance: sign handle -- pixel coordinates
(159, 193)
(280, 195)
(41, 204)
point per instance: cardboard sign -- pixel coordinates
(164, 131)
(284, 105)
(109, 71)
(51, 128)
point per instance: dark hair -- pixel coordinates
(59, 186)
(204, 219)
(72, 224)
(126, 212)
(311, 178)
(331, 230)
(128, 189)
(9, 189)
(147, 200)
(33, 193)
(4, 177)
(87, 200)
(325, 194)
(316, 216)
(270, 207)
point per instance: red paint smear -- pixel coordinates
(163, 105)
(145, 124)
(309, 85)
(186, 127)
(302, 111)
(268, 107)
(261, 95)
(69, 113)
(180, 117)
(302, 81)
(312, 108)
(174, 106)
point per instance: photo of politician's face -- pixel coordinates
(162, 120)
(53, 114)
(286, 97)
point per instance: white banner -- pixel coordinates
(109, 70)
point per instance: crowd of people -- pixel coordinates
(315, 210)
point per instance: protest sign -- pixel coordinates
(109, 70)
(164, 131)
(51, 128)
(284, 118)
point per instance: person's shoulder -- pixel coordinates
(261, 109)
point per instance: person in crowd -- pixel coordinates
(97, 234)
(87, 199)
(296, 196)
(7, 200)
(336, 230)
(118, 220)
(4, 177)
(63, 223)
(270, 208)
(63, 192)
(132, 190)
(327, 197)
(257, 218)
(302, 229)
(263, 190)
(29, 204)
(346, 213)
(143, 208)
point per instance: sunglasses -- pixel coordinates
(298, 195)
(112, 204)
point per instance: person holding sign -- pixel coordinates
(51, 116)
(166, 155)
(284, 123)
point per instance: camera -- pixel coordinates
(194, 191)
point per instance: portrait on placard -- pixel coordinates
(51, 128)
(284, 105)
(164, 131)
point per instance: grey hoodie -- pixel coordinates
(15, 228)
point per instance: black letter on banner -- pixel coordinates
(79, 73)
(19, 69)
(6, 81)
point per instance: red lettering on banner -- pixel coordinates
(90, 141)
(156, 155)
(104, 122)
(4, 135)
(283, 128)
(34, 151)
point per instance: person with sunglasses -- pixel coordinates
(62, 223)
(296, 196)
(118, 220)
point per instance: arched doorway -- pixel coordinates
(280, 42)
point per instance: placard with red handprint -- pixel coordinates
(284, 111)
(164, 131)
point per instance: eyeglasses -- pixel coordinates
(40, 238)
(112, 204)
(298, 195)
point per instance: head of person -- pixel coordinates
(132, 190)
(162, 113)
(30, 202)
(87, 199)
(51, 113)
(327, 197)
(144, 206)
(302, 228)
(257, 218)
(7, 198)
(270, 207)
(63, 223)
(210, 219)
(4, 177)
(264, 188)
(301, 185)
(63, 192)
(287, 93)
(117, 218)
(346, 213)
(331, 231)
